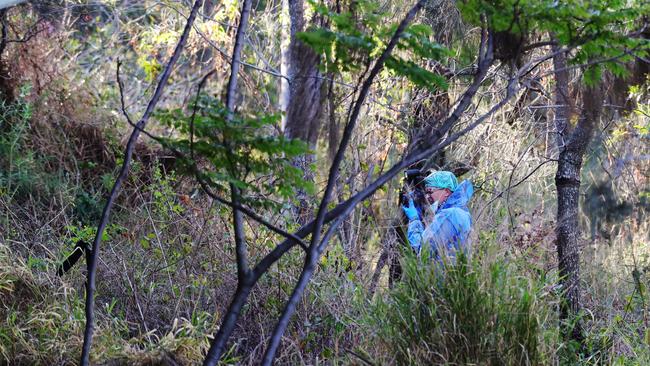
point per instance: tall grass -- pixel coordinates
(500, 309)
(467, 313)
(42, 324)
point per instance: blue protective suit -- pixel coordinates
(449, 229)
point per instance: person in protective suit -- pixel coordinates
(444, 226)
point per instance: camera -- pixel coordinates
(413, 187)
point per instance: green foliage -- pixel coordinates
(242, 151)
(640, 93)
(87, 207)
(86, 233)
(356, 38)
(599, 30)
(163, 194)
(151, 67)
(22, 171)
(462, 314)
(14, 122)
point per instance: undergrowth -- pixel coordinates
(43, 321)
(467, 313)
(490, 310)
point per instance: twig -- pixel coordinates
(522, 180)
(223, 53)
(538, 44)
(195, 109)
(120, 86)
(512, 174)
(360, 357)
(251, 214)
(592, 62)
(269, 71)
(135, 298)
(94, 254)
(31, 33)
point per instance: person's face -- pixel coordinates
(436, 194)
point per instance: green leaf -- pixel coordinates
(244, 151)
(416, 74)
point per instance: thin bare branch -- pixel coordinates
(532, 46)
(93, 256)
(250, 213)
(510, 187)
(120, 86)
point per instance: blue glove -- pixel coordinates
(410, 211)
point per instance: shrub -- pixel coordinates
(461, 314)
(22, 169)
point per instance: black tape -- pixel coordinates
(72, 259)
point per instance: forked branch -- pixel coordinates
(196, 171)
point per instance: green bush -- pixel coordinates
(462, 314)
(22, 170)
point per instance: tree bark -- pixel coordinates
(302, 96)
(228, 323)
(567, 181)
(286, 35)
(562, 100)
(306, 83)
(6, 90)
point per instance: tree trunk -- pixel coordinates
(304, 102)
(286, 35)
(393, 242)
(563, 103)
(567, 181)
(333, 126)
(306, 83)
(206, 53)
(567, 184)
